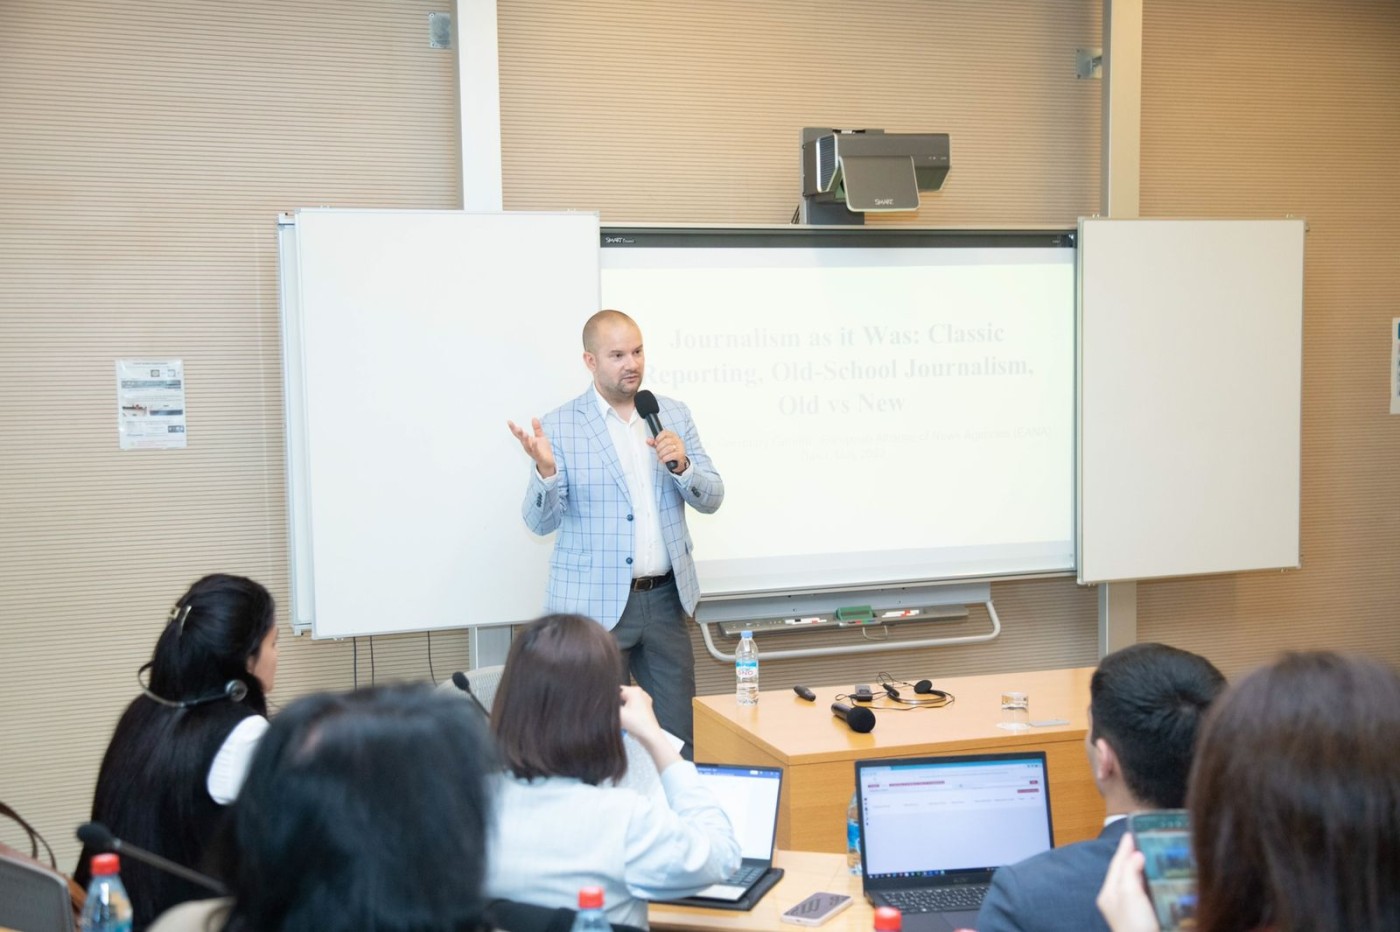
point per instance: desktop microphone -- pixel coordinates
(648, 408)
(459, 679)
(857, 718)
(98, 837)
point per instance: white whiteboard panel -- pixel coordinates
(411, 337)
(1190, 395)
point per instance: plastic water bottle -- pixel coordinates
(590, 916)
(853, 834)
(746, 670)
(888, 919)
(108, 908)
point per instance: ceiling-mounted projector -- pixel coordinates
(848, 173)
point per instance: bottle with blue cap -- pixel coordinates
(746, 670)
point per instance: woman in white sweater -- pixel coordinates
(562, 822)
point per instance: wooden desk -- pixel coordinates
(807, 872)
(817, 750)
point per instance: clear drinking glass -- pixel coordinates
(1015, 711)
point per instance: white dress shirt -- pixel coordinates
(649, 556)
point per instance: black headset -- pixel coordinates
(925, 696)
(233, 691)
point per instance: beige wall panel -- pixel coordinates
(145, 152)
(1261, 109)
(692, 112)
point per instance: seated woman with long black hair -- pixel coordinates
(362, 810)
(562, 822)
(180, 751)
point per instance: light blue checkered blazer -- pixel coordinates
(590, 571)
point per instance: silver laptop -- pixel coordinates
(934, 829)
(749, 797)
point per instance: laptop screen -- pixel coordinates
(749, 796)
(942, 816)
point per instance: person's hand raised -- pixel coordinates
(536, 446)
(639, 721)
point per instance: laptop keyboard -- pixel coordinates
(745, 875)
(937, 899)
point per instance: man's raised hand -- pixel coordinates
(536, 446)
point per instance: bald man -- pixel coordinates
(623, 552)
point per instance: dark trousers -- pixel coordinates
(654, 637)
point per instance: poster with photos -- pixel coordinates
(151, 404)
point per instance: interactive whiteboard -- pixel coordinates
(887, 407)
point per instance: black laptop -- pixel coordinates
(934, 829)
(749, 796)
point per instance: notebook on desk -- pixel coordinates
(934, 829)
(749, 797)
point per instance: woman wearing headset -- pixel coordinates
(182, 748)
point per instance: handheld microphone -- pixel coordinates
(459, 679)
(857, 718)
(98, 837)
(648, 408)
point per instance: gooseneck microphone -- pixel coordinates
(459, 679)
(857, 718)
(99, 838)
(648, 408)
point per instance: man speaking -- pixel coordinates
(614, 470)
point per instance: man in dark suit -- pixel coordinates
(1146, 703)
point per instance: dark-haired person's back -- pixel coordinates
(362, 810)
(1294, 805)
(179, 753)
(1146, 704)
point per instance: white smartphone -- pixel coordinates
(816, 909)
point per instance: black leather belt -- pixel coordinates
(648, 583)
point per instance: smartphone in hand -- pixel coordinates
(1164, 838)
(816, 909)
